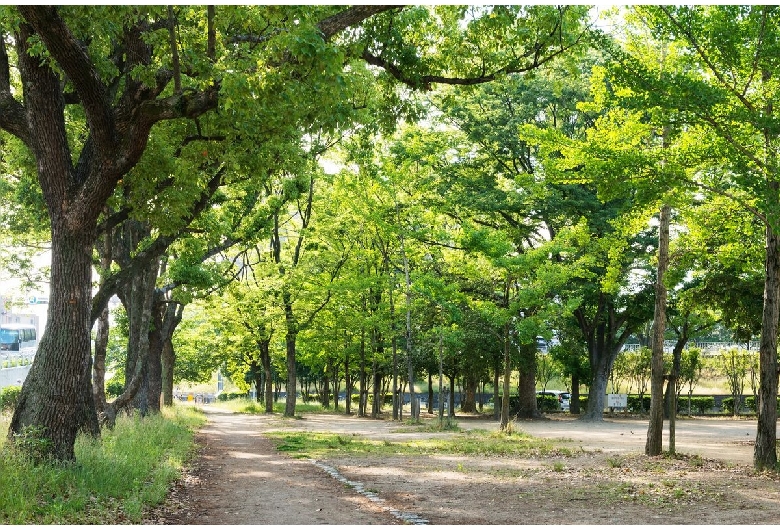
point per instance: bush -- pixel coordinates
(727, 405)
(635, 404)
(750, 403)
(114, 388)
(9, 397)
(227, 396)
(699, 404)
(545, 403)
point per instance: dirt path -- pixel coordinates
(240, 478)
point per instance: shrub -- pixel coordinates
(9, 397)
(545, 403)
(750, 403)
(635, 404)
(114, 388)
(227, 396)
(727, 405)
(699, 404)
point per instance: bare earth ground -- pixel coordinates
(240, 478)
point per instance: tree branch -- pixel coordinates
(349, 17)
(12, 116)
(72, 57)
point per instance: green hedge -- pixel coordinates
(750, 403)
(227, 396)
(699, 404)
(727, 405)
(635, 403)
(546, 403)
(9, 396)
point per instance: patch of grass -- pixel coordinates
(448, 425)
(614, 462)
(250, 406)
(114, 479)
(472, 443)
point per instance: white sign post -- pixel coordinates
(617, 401)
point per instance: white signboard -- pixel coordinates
(617, 401)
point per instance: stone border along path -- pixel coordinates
(405, 517)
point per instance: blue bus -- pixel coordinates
(18, 337)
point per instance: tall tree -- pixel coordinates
(119, 71)
(731, 78)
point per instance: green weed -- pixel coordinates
(114, 479)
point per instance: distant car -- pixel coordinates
(562, 396)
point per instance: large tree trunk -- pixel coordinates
(154, 367)
(138, 302)
(527, 383)
(605, 334)
(166, 315)
(56, 396)
(470, 386)
(765, 452)
(654, 444)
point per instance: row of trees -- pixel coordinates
(180, 151)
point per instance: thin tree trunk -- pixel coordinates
(496, 395)
(507, 373)
(265, 360)
(348, 384)
(102, 332)
(99, 368)
(363, 388)
(409, 360)
(654, 443)
(430, 393)
(168, 359)
(765, 451)
(290, 340)
(574, 402)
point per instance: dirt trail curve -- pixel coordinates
(241, 478)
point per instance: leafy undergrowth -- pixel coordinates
(113, 480)
(473, 442)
